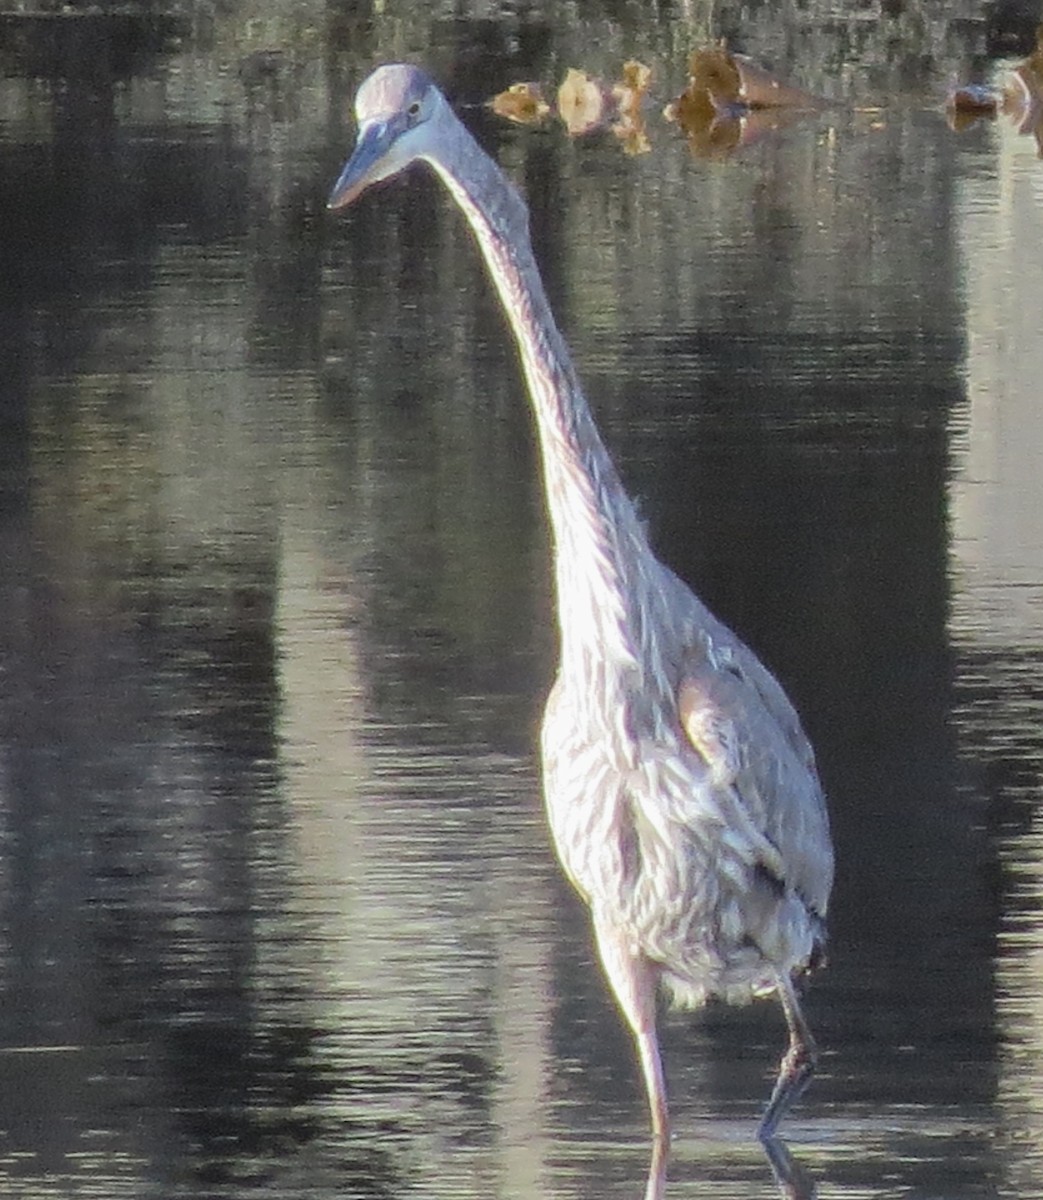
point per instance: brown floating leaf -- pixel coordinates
(631, 92)
(636, 75)
(717, 134)
(713, 72)
(691, 108)
(968, 103)
(724, 135)
(629, 95)
(759, 89)
(581, 102)
(633, 137)
(973, 100)
(521, 102)
(711, 137)
(712, 79)
(721, 81)
(1021, 98)
(958, 119)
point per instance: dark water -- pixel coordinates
(278, 914)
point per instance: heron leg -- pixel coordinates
(798, 1063)
(633, 980)
(791, 1177)
(655, 1187)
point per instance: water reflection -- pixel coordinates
(277, 911)
(997, 566)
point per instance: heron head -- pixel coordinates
(396, 109)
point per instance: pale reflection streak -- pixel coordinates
(426, 933)
(996, 505)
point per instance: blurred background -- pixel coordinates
(278, 910)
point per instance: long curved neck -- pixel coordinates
(598, 539)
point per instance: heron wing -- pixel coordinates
(759, 762)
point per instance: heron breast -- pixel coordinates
(618, 833)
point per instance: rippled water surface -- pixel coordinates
(278, 912)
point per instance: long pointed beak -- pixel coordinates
(363, 167)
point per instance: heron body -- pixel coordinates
(681, 791)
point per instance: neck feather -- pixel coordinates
(599, 544)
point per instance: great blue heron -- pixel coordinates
(680, 788)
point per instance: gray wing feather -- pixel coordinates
(744, 728)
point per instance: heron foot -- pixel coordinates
(793, 1180)
(795, 1072)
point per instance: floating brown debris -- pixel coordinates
(1020, 98)
(969, 103)
(730, 101)
(975, 99)
(522, 103)
(691, 108)
(760, 89)
(629, 96)
(719, 134)
(722, 82)
(709, 136)
(713, 77)
(633, 137)
(582, 102)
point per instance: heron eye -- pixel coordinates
(414, 109)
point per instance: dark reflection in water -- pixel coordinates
(277, 908)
